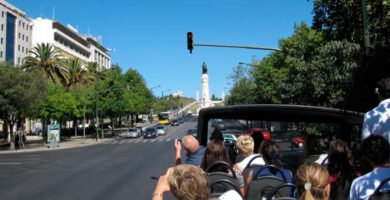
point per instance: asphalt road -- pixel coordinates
(116, 169)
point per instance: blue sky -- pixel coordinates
(150, 35)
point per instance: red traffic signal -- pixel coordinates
(190, 41)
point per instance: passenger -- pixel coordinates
(215, 151)
(271, 153)
(340, 168)
(377, 120)
(217, 135)
(376, 150)
(245, 146)
(194, 152)
(186, 182)
(258, 138)
(312, 180)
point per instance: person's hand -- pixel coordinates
(177, 145)
(162, 184)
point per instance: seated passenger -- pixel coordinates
(376, 150)
(312, 181)
(194, 152)
(215, 151)
(186, 182)
(340, 168)
(271, 153)
(245, 146)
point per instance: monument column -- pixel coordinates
(205, 87)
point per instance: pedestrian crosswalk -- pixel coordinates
(138, 140)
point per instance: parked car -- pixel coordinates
(150, 133)
(175, 122)
(266, 134)
(161, 130)
(131, 133)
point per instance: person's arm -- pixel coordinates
(162, 186)
(177, 152)
(365, 128)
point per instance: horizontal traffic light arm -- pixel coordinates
(238, 46)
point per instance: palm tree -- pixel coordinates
(47, 59)
(93, 69)
(77, 76)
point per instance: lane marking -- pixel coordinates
(11, 163)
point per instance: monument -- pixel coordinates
(205, 102)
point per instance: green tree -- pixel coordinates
(19, 93)
(46, 59)
(77, 77)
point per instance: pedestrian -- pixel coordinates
(377, 120)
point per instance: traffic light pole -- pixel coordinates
(238, 46)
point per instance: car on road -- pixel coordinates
(193, 132)
(266, 134)
(131, 133)
(150, 133)
(230, 138)
(180, 120)
(161, 130)
(175, 122)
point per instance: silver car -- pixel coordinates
(131, 133)
(161, 130)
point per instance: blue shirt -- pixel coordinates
(287, 173)
(195, 158)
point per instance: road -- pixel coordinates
(116, 169)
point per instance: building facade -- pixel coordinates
(70, 42)
(15, 34)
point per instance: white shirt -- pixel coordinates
(377, 121)
(364, 186)
(258, 161)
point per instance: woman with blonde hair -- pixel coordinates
(312, 182)
(186, 182)
(245, 146)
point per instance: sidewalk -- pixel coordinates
(73, 142)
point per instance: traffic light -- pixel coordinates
(190, 41)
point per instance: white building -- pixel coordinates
(15, 34)
(70, 42)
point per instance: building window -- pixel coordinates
(20, 23)
(2, 13)
(23, 37)
(19, 35)
(23, 25)
(1, 41)
(26, 50)
(26, 38)
(2, 27)
(22, 49)
(18, 47)
(1, 54)
(18, 60)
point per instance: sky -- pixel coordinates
(150, 35)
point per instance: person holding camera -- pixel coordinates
(193, 151)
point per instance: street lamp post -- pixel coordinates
(242, 63)
(162, 93)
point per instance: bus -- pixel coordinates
(164, 118)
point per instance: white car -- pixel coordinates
(161, 130)
(230, 138)
(131, 133)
